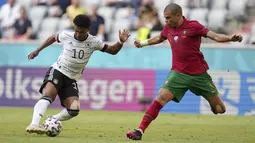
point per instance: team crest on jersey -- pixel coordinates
(176, 38)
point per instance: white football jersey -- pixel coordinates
(76, 54)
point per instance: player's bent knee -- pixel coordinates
(220, 109)
(75, 105)
(74, 108)
(72, 112)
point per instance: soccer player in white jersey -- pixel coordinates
(61, 78)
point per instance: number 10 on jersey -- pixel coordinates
(79, 54)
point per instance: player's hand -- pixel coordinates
(137, 44)
(33, 55)
(237, 38)
(123, 35)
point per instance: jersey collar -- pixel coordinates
(82, 40)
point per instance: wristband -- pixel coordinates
(144, 43)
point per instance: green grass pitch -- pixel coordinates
(111, 127)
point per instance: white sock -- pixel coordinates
(39, 110)
(63, 115)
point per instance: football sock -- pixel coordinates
(39, 110)
(63, 115)
(150, 115)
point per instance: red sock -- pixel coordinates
(150, 114)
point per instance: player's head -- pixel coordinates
(173, 14)
(82, 24)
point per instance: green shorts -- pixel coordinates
(178, 83)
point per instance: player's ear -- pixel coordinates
(178, 14)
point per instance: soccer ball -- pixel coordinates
(52, 126)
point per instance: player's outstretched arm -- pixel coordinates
(152, 41)
(45, 44)
(114, 49)
(224, 38)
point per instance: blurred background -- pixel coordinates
(37, 19)
(130, 80)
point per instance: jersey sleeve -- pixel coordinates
(164, 32)
(100, 45)
(61, 37)
(200, 30)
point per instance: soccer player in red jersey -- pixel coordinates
(189, 68)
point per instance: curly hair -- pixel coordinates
(82, 21)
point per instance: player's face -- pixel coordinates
(171, 19)
(81, 33)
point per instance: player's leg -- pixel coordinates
(216, 103)
(204, 86)
(70, 100)
(164, 96)
(49, 92)
(173, 89)
(72, 109)
(151, 113)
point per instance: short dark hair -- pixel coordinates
(82, 21)
(174, 8)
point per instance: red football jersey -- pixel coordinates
(185, 42)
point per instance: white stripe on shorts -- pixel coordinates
(51, 74)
